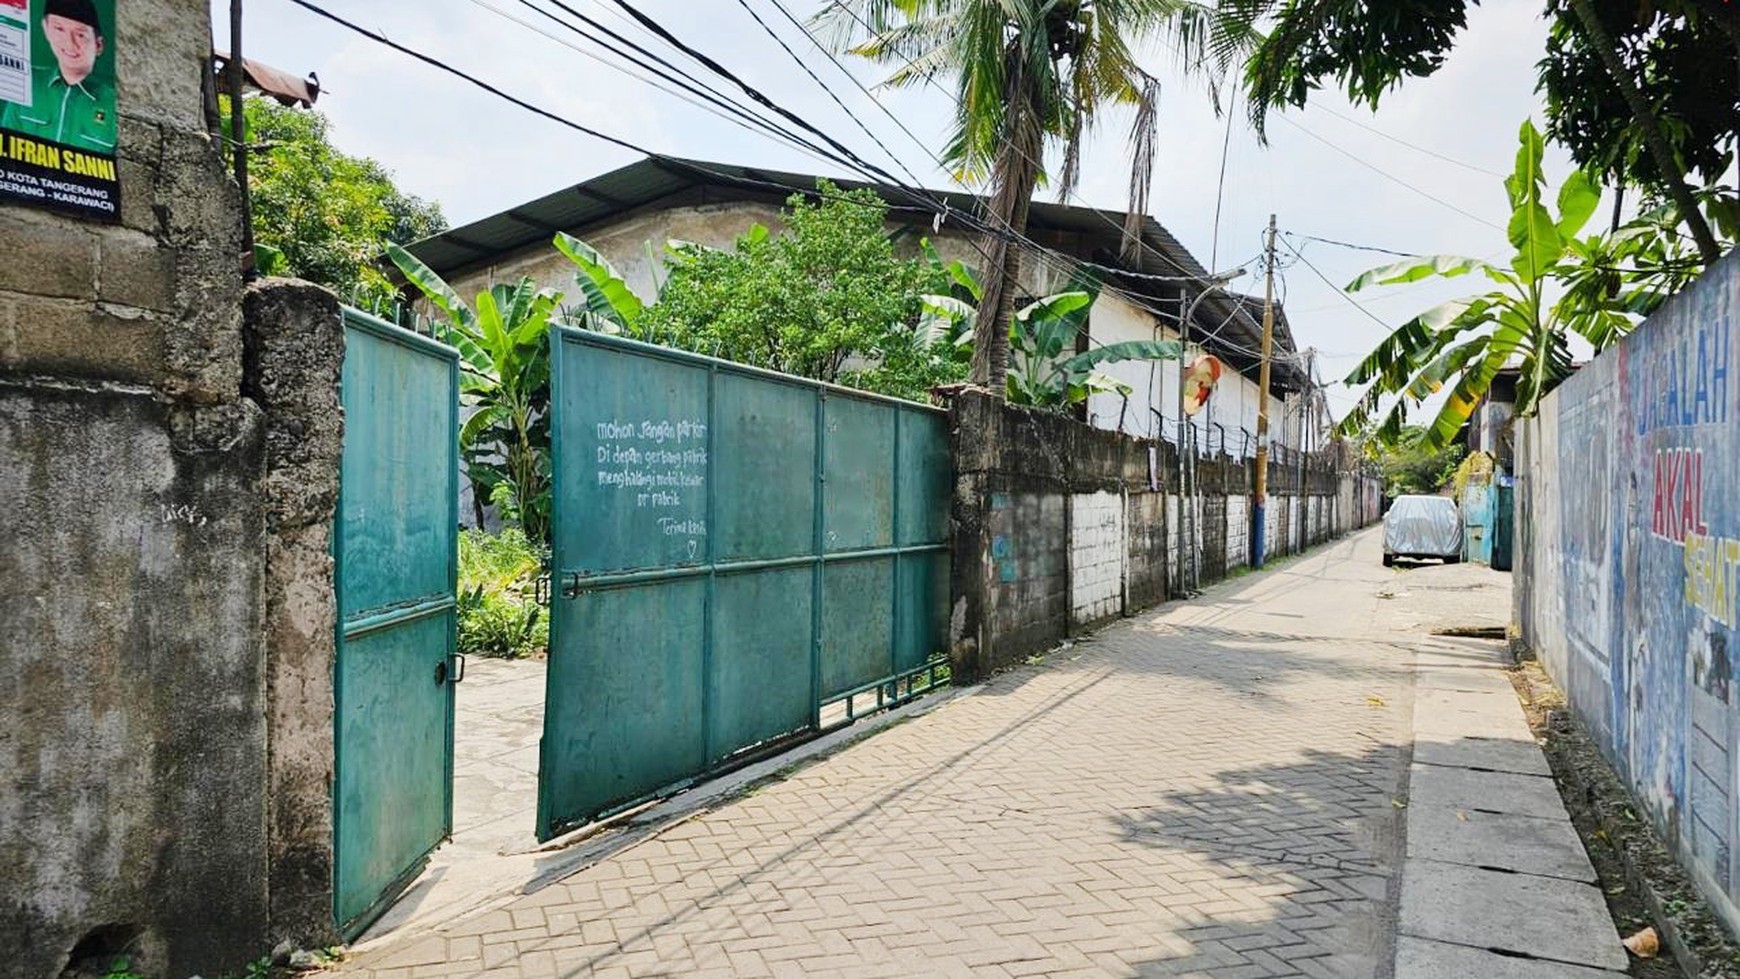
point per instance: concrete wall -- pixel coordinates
(1628, 565)
(137, 478)
(295, 354)
(1058, 526)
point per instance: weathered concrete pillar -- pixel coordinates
(295, 353)
(973, 442)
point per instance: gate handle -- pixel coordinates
(442, 674)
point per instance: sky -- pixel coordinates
(1422, 175)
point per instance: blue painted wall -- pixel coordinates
(1628, 565)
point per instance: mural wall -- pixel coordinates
(1628, 571)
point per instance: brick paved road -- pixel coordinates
(1206, 790)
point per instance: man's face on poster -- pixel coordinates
(76, 45)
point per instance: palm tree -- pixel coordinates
(1032, 75)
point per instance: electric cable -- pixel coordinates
(1402, 142)
(801, 63)
(692, 93)
(1389, 176)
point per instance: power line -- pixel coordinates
(1413, 146)
(1387, 175)
(1351, 301)
(1348, 244)
(754, 94)
(819, 46)
(440, 65)
(877, 174)
(801, 63)
(1037, 164)
(693, 94)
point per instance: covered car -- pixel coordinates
(1421, 527)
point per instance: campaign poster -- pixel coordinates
(57, 106)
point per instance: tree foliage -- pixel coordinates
(320, 214)
(1028, 76)
(827, 298)
(1045, 371)
(1684, 61)
(1411, 464)
(1644, 93)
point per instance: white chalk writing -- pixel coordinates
(658, 465)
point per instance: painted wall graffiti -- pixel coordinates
(1633, 576)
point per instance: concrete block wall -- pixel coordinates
(1098, 550)
(1029, 546)
(1238, 531)
(1627, 566)
(1057, 526)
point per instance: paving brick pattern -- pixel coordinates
(1199, 792)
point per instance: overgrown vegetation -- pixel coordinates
(320, 214)
(827, 298)
(1044, 371)
(499, 614)
(1411, 465)
(504, 382)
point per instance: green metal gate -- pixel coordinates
(739, 557)
(396, 549)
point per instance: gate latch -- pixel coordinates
(570, 584)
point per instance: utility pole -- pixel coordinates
(1260, 508)
(239, 138)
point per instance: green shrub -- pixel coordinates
(498, 610)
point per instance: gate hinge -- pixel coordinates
(541, 589)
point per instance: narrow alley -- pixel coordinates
(1217, 787)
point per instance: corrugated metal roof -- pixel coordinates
(1223, 325)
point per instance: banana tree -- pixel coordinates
(1464, 343)
(1040, 334)
(505, 379)
(611, 306)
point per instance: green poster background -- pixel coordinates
(104, 70)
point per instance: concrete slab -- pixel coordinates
(1462, 677)
(1441, 718)
(1494, 754)
(1417, 959)
(1497, 703)
(1433, 786)
(1546, 847)
(1545, 917)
